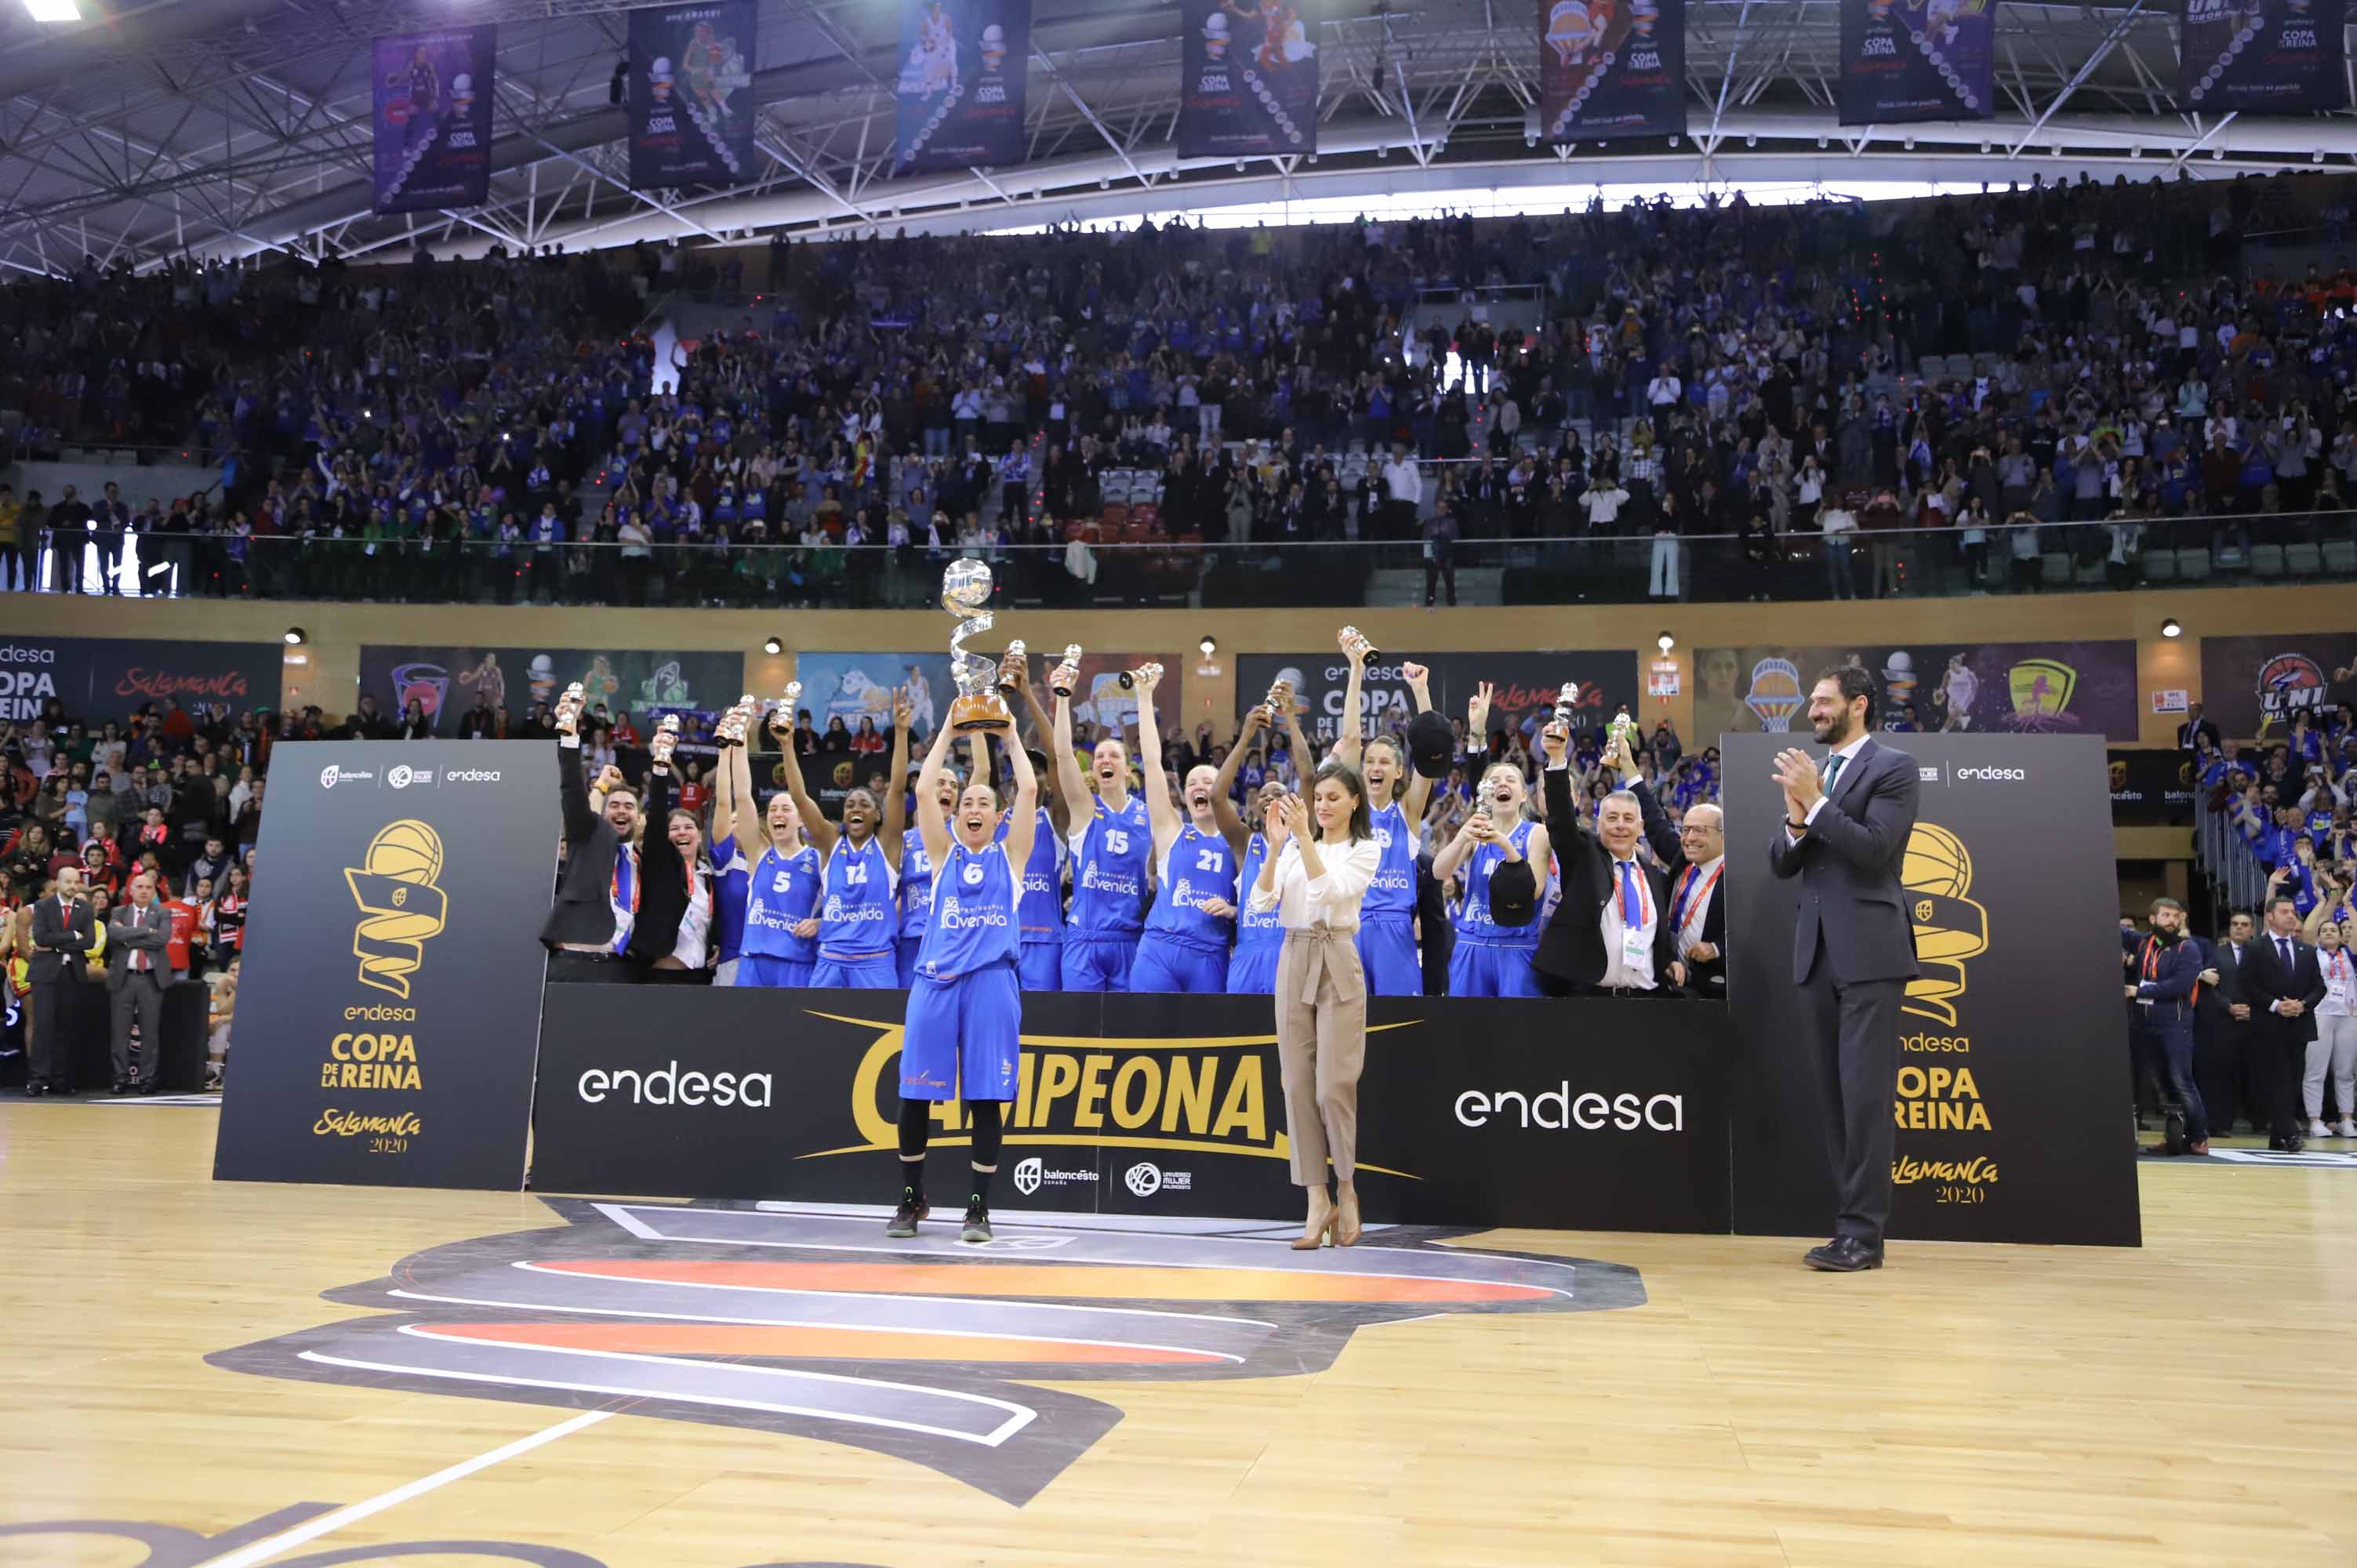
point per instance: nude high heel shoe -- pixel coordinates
(1318, 1231)
(1346, 1219)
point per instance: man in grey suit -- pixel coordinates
(136, 971)
(62, 931)
(1845, 830)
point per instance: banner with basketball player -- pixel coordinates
(2262, 56)
(1908, 60)
(433, 118)
(389, 1013)
(448, 682)
(1612, 69)
(2254, 687)
(2013, 1045)
(2029, 688)
(1249, 81)
(1527, 687)
(960, 91)
(691, 113)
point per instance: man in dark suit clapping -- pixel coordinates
(2283, 981)
(63, 930)
(1846, 830)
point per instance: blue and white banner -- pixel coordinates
(691, 112)
(1910, 60)
(1250, 83)
(963, 64)
(433, 118)
(2262, 56)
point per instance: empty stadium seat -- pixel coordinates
(2303, 559)
(2341, 557)
(2160, 567)
(2267, 560)
(2193, 565)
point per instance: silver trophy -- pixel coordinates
(733, 723)
(1622, 729)
(1066, 675)
(1130, 678)
(966, 589)
(1012, 660)
(567, 716)
(781, 722)
(1566, 699)
(1353, 641)
(666, 739)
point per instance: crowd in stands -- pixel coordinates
(2064, 370)
(2290, 797)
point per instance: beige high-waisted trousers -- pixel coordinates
(1321, 1043)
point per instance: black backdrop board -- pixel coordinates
(1582, 1113)
(2013, 1060)
(386, 1024)
(101, 678)
(2151, 787)
(446, 682)
(2262, 57)
(1526, 685)
(2253, 686)
(1908, 60)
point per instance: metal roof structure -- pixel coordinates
(231, 127)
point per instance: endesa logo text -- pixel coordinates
(1559, 1110)
(1994, 775)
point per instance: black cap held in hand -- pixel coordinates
(1431, 745)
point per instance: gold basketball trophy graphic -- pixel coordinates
(1066, 675)
(401, 909)
(966, 589)
(1950, 926)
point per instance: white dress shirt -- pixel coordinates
(1698, 902)
(1302, 900)
(1619, 968)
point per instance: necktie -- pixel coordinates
(1833, 769)
(2283, 948)
(139, 955)
(1632, 916)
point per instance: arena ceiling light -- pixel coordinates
(1665, 642)
(53, 10)
(773, 646)
(296, 637)
(2172, 628)
(1210, 645)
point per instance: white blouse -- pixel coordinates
(1302, 900)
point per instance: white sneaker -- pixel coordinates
(2348, 1128)
(2319, 1130)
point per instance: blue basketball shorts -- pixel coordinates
(1252, 968)
(1043, 964)
(1098, 963)
(763, 968)
(868, 971)
(904, 959)
(963, 1037)
(1164, 965)
(1387, 954)
(1484, 968)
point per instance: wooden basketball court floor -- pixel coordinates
(2191, 1401)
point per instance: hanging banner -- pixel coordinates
(1608, 71)
(1251, 84)
(2262, 56)
(2033, 688)
(691, 117)
(434, 118)
(2254, 687)
(1905, 61)
(963, 64)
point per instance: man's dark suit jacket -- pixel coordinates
(583, 914)
(2186, 732)
(2266, 982)
(1847, 863)
(151, 934)
(2232, 981)
(1702, 979)
(60, 942)
(1571, 949)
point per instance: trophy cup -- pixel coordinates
(966, 589)
(567, 718)
(1130, 678)
(1621, 730)
(666, 737)
(730, 730)
(1353, 641)
(1279, 702)
(1010, 661)
(1565, 700)
(781, 720)
(1067, 675)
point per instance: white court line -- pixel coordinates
(288, 1539)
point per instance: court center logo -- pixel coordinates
(401, 907)
(1950, 927)
(809, 1323)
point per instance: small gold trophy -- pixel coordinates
(1621, 730)
(567, 718)
(966, 589)
(666, 737)
(1013, 659)
(1353, 641)
(781, 719)
(1067, 675)
(1279, 702)
(730, 730)
(1130, 679)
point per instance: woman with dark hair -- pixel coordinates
(1315, 872)
(690, 960)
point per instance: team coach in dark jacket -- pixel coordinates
(618, 903)
(1845, 832)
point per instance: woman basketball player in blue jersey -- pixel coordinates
(1110, 842)
(1043, 875)
(1252, 968)
(1387, 914)
(778, 921)
(962, 1037)
(915, 861)
(858, 918)
(1195, 862)
(1491, 960)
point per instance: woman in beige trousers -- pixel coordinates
(1314, 876)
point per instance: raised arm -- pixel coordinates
(1017, 673)
(1161, 810)
(1349, 731)
(735, 799)
(1071, 783)
(1024, 824)
(929, 820)
(895, 781)
(1419, 788)
(1224, 805)
(822, 831)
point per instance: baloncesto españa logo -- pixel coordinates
(807, 1323)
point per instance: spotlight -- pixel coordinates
(296, 637)
(2217, 155)
(53, 10)
(2172, 628)
(2317, 156)
(1909, 144)
(1313, 157)
(1985, 148)
(2137, 151)
(1104, 185)
(772, 645)
(1382, 151)
(1210, 645)
(1750, 141)
(1673, 141)
(1665, 642)
(1240, 166)
(1823, 144)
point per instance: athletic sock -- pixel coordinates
(982, 1184)
(912, 1177)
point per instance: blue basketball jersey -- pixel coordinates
(1043, 883)
(970, 921)
(1109, 858)
(781, 893)
(1472, 917)
(730, 879)
(1392, 892)
(916, 885)
(858, 920)
(1199, 865)
(1255, 930)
